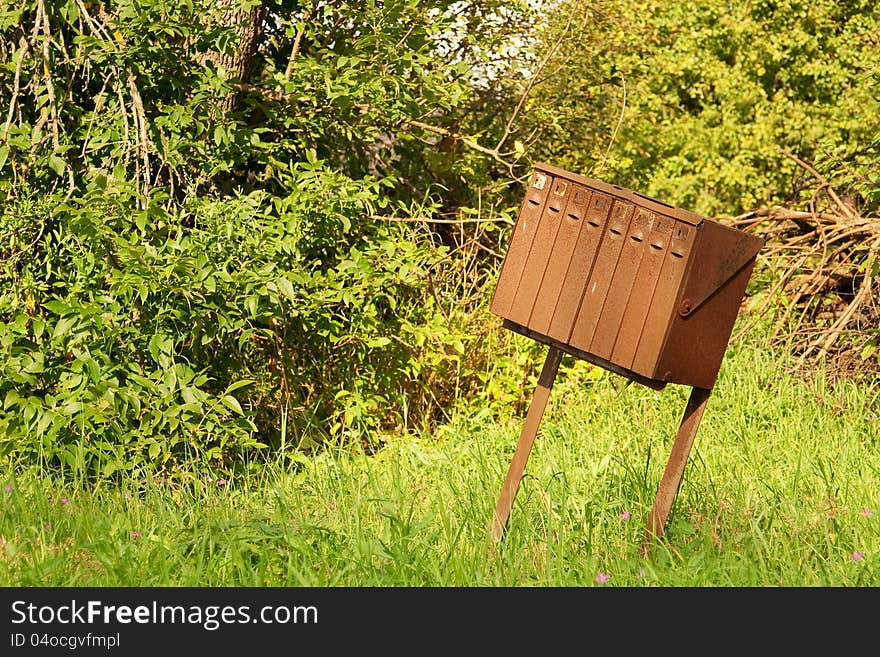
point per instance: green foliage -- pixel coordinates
(214, 246)
(781, 489)
(128, 333)
(197, 265)
(692, 103)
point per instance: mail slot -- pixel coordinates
(624, 281)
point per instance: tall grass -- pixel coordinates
(782, 489)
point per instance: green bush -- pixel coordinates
(188, 277)
(694, 103)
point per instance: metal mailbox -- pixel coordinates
(634, 285)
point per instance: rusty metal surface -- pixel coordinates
(551, 291)
(635, 314)
(539, 253)
(663, 303)
(626, 282)
(623, 280)
(675, 465)
(599, 283)
(583, 355)
(723, 251)
(622, 283)
(618, 192)
(526, 439)
(520, 242)
(696, 342)
(580, 266)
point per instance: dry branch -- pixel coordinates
(827, 281)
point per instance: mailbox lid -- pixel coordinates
(625, 194)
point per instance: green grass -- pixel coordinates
(782, 489)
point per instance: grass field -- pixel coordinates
(782, 489)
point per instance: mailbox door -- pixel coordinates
(520, 243)
(632, 325)
(622, 282)
(550, 292)
(665, 298)
(599, 282)
(580, 265)
(539, 254)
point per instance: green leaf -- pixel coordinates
(63, 326)
(110, 467)
(55, 306)
(57, 164)
(189, 396)
(286, 288)
(232, 404)
(72, 407)
(4, 153)
(237, 385)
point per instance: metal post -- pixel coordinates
(668, 489)
(526, 440)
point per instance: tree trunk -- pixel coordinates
(246, 18)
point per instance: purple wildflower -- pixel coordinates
(602, 578)
(221, 482)
(64, 500)
(135, 534)
(7, 488)
(47, 526)
(867, 512)
(624, 515)
(858, 556)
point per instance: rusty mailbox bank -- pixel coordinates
(628, 283)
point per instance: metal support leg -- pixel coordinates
(526, 440)
(681, 448)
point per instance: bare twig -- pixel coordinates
(43, 15)
(297, 42)
(141, 135)
(16, 86)
(492, 152)
(829, 337)
(141, 127)
(616, 127)
(827, 272)
(778, 214)
(845, 209)
(533, 79)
